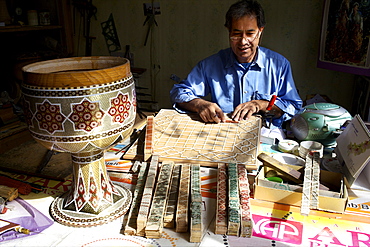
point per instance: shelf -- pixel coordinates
(12, 29)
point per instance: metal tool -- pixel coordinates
(134, 136)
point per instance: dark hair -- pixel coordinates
(245, 8)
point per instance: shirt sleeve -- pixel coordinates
(288, 99)
(194, 86)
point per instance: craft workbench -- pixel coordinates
(273, 224)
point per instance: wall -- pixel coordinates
(189, 30)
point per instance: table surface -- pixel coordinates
(274, 224)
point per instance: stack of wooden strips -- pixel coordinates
(166, 195)
(310, 191)
(233, 193)
(196, 227)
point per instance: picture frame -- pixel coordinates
(344, 40)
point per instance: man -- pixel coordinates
(241, 79)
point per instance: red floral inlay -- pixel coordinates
(86, 115)
(120, 107)
(49, 117)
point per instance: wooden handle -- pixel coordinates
(288, 172)
(8, 193)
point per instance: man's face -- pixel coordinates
(244, 38)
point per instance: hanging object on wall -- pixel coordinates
(150, 11)
(87, 11)
(110, 34)
(344, 43)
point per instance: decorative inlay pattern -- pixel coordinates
(147, 197)
(154, 226)
(49, 117)
(196, 226)
(221, 209)
(186, 138)
(86, 115)
(169, 218)
(234, 211)
(183, 199)
(131, 224)
(84, 137)
(244, 192)
(120, 107)
(42, 92)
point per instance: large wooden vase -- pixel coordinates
(82, 105)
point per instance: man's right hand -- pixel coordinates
(208, 111)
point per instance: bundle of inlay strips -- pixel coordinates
(161, 198)
(233, 215)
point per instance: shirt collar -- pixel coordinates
(258, 59)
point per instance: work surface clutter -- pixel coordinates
(288, 199)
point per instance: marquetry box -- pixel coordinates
(333, 200)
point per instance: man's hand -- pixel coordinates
(208, 111)
(245, 110)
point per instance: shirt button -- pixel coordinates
(245, 91)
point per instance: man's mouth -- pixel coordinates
(243, 49)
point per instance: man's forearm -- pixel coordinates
(192, 105)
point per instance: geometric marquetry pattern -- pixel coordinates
(107, 194)
(93, 190)
(120, 107)
(80, 200)
(49, 117)
(86, 115)
(186, 138)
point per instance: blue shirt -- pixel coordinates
(229, 83)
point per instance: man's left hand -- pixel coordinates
(245, 110)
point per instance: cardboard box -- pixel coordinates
(333, 200)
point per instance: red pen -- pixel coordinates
(271, 103)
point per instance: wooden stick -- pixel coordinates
(244, 192)
(183, 199)
(147, 197)
(169, 218)
(221, 210)
(148, 147)
(288, 172)
(8, 193)
(234, 211)
(196, 226)
(131, 223)
(315, 180)
(154, 225)
(307, 186)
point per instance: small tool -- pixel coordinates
(45, 161)
(268, 115)
(133, 138)
(271, 103)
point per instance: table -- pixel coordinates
(274, 224)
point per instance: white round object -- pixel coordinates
(288, 146)
(289, 159)
(308, 146)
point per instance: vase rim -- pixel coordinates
(76, 71)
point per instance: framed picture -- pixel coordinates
(345, 32)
